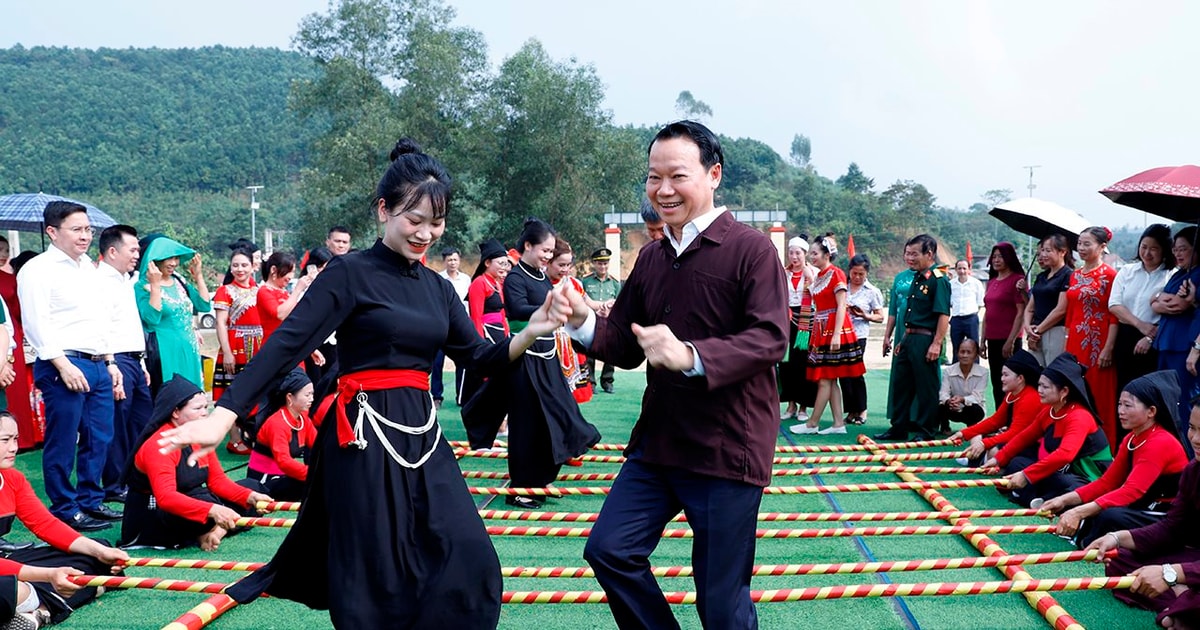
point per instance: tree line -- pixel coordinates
(168, 139)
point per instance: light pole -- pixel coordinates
(253, 213)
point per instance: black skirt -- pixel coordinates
(545, 426)
(59, 607)
(381, 545)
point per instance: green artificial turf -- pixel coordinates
(614, 415)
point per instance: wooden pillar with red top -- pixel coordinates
(612, 240)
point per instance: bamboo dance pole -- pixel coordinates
(1044, 604)
(590, 517)
(840, 470)
(188, 563)
(264, 522)
(851, 487)
(844, 592)
(837, 532)
(859, 459)
(822, 459)
(203, 614)
(778, 472)
(811, 448)
(157, 584)
(933, 564)
(278, 506)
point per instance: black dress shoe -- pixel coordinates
(7, 546)
(83, 523)
(892, 435)
(103, 513)
(116, 497)
(607, 387)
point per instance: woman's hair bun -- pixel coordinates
(404, 146)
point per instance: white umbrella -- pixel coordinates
(1040, 218)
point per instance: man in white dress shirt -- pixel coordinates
(452, 259)
(966, 298)
(120, 253)
(65, 312)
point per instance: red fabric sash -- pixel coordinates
(349, 385)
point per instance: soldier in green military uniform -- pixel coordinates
(926, 323)
(602, 288)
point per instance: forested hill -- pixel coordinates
(147, 120)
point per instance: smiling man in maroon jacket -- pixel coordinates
(707, 308)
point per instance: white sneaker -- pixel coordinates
(801, 416)
(804, 429)
(788, 416)
(21, 621)
(833, 431)
(962, 461)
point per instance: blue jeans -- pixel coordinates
(723, 514)
(129, 419)
(79, 428)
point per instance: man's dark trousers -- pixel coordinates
(917, 380)
(962, 327)
(70, 416)
(129, 419)
(723, 514)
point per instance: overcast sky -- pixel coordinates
(956, 95)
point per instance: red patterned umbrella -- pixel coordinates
(1168, 191)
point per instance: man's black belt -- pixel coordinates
(74, 354)
(913, 330)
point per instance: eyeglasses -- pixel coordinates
(80, 230)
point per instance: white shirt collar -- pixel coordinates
(692, 229)
(60, 256)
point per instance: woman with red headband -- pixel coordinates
(389, 537)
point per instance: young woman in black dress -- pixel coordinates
(388, 536)
(545, 426)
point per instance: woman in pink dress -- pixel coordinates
(1091, 327)
(833, 351)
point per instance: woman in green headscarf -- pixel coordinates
(166, 303)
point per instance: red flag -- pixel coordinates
(970, 258)
(850, 246)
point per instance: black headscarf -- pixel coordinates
(1161, 391)
(488, 250)
(1065, 370)
(173, 394)
(1024, 364)
(292, 382)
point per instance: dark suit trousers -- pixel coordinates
(78, 431)
(723, 514)
(129, 418)
(915, 379)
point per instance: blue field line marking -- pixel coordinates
(864, 550)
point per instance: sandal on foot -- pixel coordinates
(526, 503)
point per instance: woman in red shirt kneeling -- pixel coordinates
(172, 504)
(1138, 488)
(33, 580)
(1065, 446)
(1018, 409)
(279, 463)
